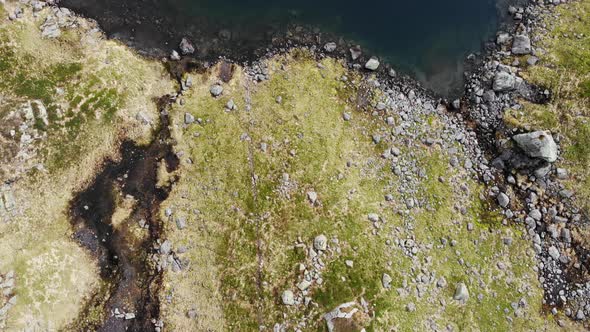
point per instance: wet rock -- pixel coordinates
(521, 45)
(174, 56)
(355, 52)
(330, 47)
(538, 144)
(186, 47)
(372, 64)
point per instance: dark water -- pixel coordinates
(428, 38)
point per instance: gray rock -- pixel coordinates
(504, 81)
(538, 144)
(174, 56)
(303, 285)
(330, 47)
(181, 223)
(372, 64)
(386, 280)
(346, 116)
(188, 118)
(355, 52)
(165, 247)
(320, 242)
(461, 292)
(521, 45)
(186, 47)
(216, 90)
(312, 196)
(374, 217)
(553, 252)
(503, 200)
(288, 298)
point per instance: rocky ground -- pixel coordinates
(313, 191)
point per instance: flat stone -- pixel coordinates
(538, 144)
(521, 45)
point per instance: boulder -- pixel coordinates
(330, 47)
(538, 144)
(355, 52)
(521, 45)
(186, 47)
(372, 64)
(504, 81)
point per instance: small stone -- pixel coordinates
(349, 263)
(129, 316)
(374, 217)
(312, 196)
(181, 223)
(330, 47)
(386, 280)
(216, 90)
(303, 285)
(503, 200)
(461, 292)
(288, 298)
(346, 116)
(174, 56)
(554, 252)
(320, 242)
(411, 307)
(188, 118)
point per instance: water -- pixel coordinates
(427, 38)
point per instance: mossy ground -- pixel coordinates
(564, 68)
(92, 90)
(245, 214)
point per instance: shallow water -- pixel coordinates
(428, 38)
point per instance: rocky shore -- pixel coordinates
(333, 191)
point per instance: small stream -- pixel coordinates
(131, 280)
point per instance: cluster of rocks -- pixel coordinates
(20, 131)
(58, 19)
(319, 253)
(7, 297)
(121, 314)
(529, 187)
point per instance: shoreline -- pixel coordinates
(495, 159)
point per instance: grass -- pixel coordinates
(307, 139)
(565, 69)
(53, 274)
